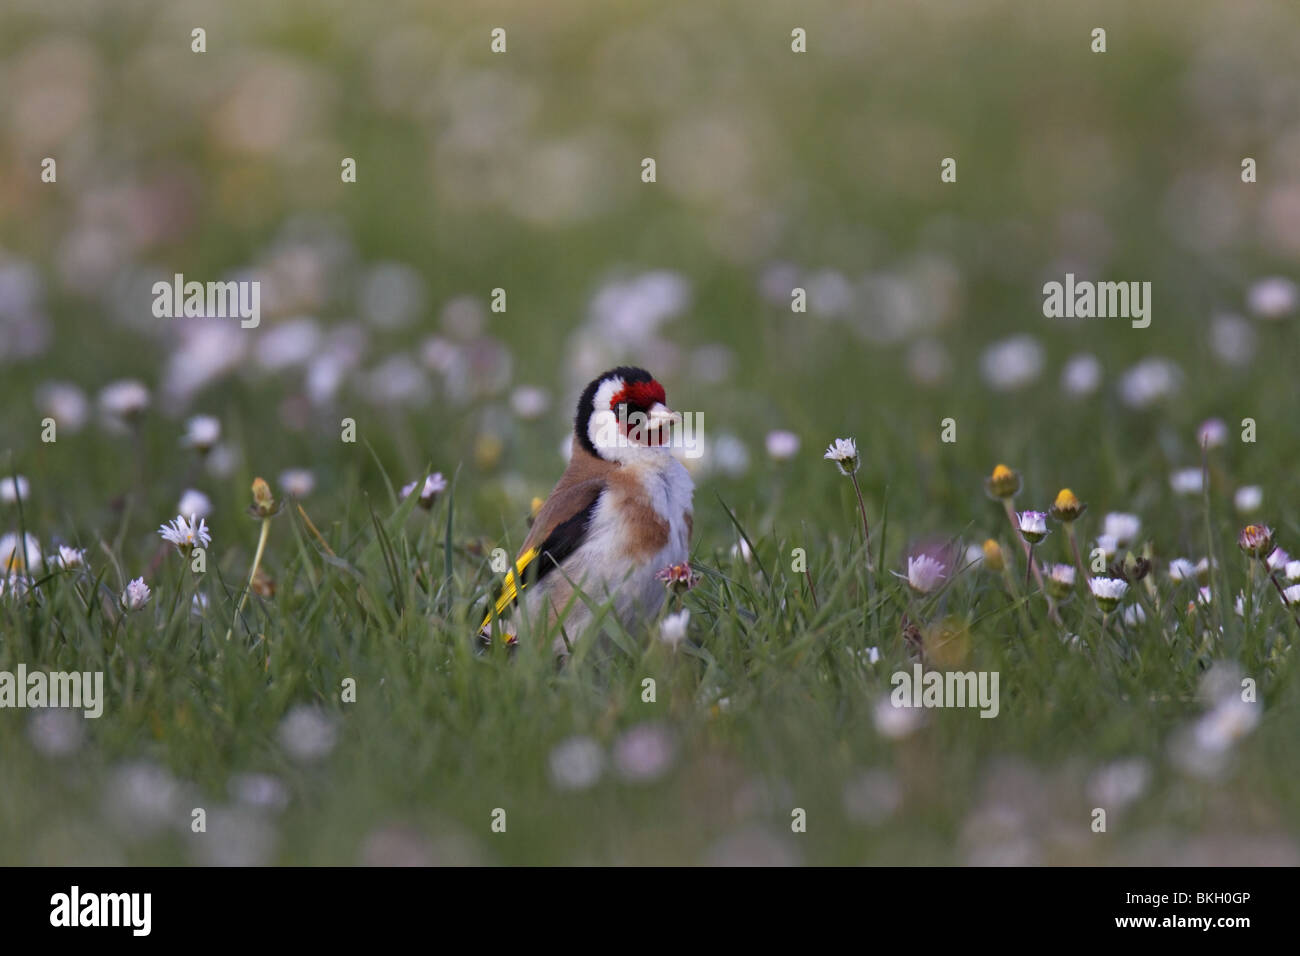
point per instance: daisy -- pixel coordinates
(71, 557)
(1256, 540)
(1187, 481)
(1108, 545)
(1292, 595)
(1134, 615)
(924, 573)
(1180, 569)
(16, 557)
(844, 452)
(1123, 527)
(298, 482)
(1293, 571)
(782, 445)
(1277, 560)
(1272, 298)
(186, 534)
(201, 433)
(1212, 433)
(194, 503)
(136, 595)
(14, 488)
(126, 399)
(677, 577)
(672, 631)
(1248, 499)
(1033, 525)
(1059, 579)
(433, 486)
(1108, 592)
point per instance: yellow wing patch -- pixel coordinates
(510, 590)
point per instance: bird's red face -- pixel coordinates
(623, 410)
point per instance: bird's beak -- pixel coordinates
(661, 415)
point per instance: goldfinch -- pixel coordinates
(621, 512)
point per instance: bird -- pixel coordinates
(621, 513)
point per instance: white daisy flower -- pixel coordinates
(1277, 560)
(1108, 544)
(782, 445)
(1205, 597)
(1272, 298)
(1292, 594)
(1239, 605)
(14, 488)
(1150, 381)
(1033, 525)
(1134, 615)
(65, 403)
(202, 432)
(1123, 527)
(298, 482)
(1203, 568)
(1180, 569)
(1293, 571)
(126, 399)
(186, 534)
(1081, 375)
(529, 402)
(924, 573)
(16, 557)
(1108, 591)
(1187, 481)
(194, 503)
(71, 557)
(844, 452)
(1059, 580)
(742, 550)
(1012, 363)
(1248, 499)
(672, 631)
(136, 595)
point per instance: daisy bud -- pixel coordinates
(1033, 525)
(1067, 507)
(1003, 483)
(1059, 580)
(136, 595)
(1108, 592)
(993, 555)
(1256, 540)
(678, 578)
(263, 501)
(844, 452)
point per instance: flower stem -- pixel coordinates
(866, 531)
(257, 560)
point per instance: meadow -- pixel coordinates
(499, 248)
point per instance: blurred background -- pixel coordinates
(522, 171)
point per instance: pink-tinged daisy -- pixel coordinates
(136, 595)
(1256, 540)
(924, 573)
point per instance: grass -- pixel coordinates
(773, 702)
